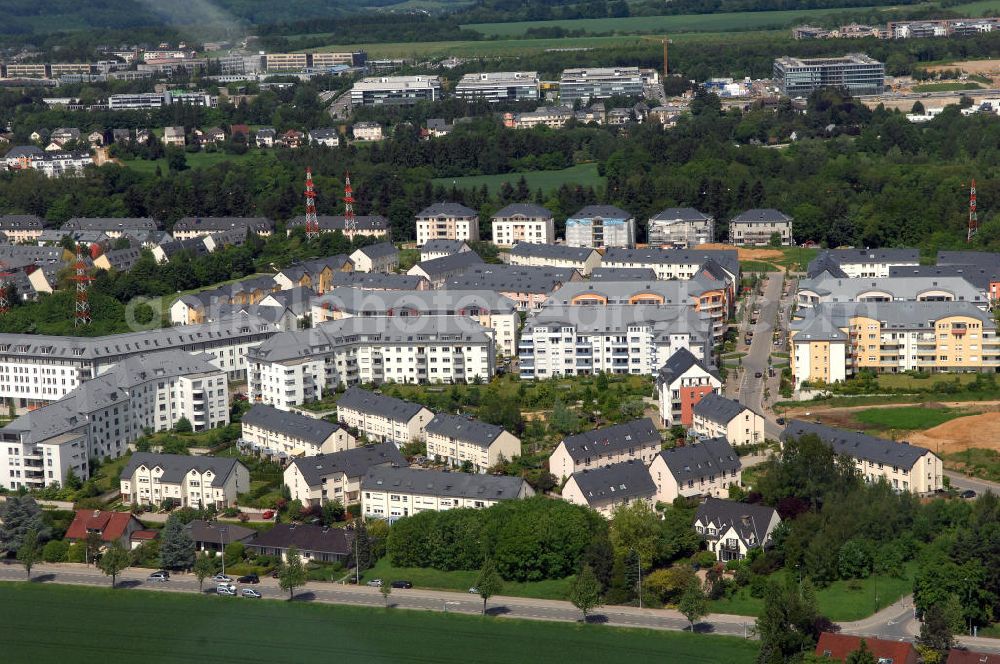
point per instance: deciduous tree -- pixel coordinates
(292, 573)
(489, 582)
(585, 591)
(114, 561)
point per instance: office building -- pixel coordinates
(499, 86)
(395, 90)
(856, 72)
(587, 85)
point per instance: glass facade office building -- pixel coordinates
(856, 72)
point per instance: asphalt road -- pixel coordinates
(751, 388)
(963, 482)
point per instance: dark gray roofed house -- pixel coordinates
(301, 427)
(114, 224)
(378, 281)
(443, 247)
(607, 487)
(978, 276)
(438, 270)
(623, 274)
(825, 263)
(604, 211)
(552, 251)
(363, 223)
(21, 222)
(189, 226)
(761, 215)
(680, 214)
(213, 535)
(175, 466)
(352, 463)
(612, 439)
(678, 364)
(464, 428)
(718, 408)
(732, 528)
(524, 210)
(317, 543)
(447, 210)
(858, 445)
(486, 488)
(691, 465)
(364, 401)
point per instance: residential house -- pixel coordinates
(638, 440)
(265, 137)
(732, 529)
(441, 248)
(863, 263)
(680, 264)
(715, 416)
(447, 221)
(381, 257)
(379, 281)
(838, 647)
(95, 138)
(316, 274)
(961, 656)
(608, 487)
(680, 384)
(21, 228)
(582, 259)
(281, 434)
(174, 136)
(189, 481)
(314, 543)
(826, 289)
(382, 418)
(190, 227)
(63, 135)
(392, 493)
(554, 117)
(291, 138)
(457, 440)
(329, 137)
(683, 228)
(110, 526)
(438, 271)
(216, 535)
(601, 274)
(523, 222)
(707, 468)
(757, 228)
(325, 478)
(211, 135)
(367, 131)
(529, 287)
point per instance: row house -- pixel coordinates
(607, 488)
(280, 434)
(529, 254)
(715, 416)
(188, 481)
(317, 480)
(707, 468)
(381, 257)
(681, 383)
(862, 263)
(381, 418)
(826, 289)
(638, 440)
(456, 440)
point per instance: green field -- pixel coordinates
(976, 462)
(891, 382)
(946, 87)
(196, 160)
(130, 626)
(908, 418)
(583, 174)
(975, 9)
(461, 580)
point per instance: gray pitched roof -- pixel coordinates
(306, 537)
(552, 251)
(603, 211)
(465, 429)
(718, 408)
(618, 481)
(746, 518)
(726, 258)
(352, 463)
(21, 222)
(904, 289)
(763, 215)
(524, 210)
(680, 214)
(983, 259)
(327, 222)
(443, 484)
(622, 274)
(621, 292)
(825, 263)
(214, 224)
(979, 276)
(888, 255)
(364, 401)
(124, 259)
(429, 302)
(298, 426)
(677, 364)
(513, 278)
(213, 532)
(858, 445)
(447, 210)
(440, 245)
(379, 250)
(446, 265)
(109, 224)
(612, 439)
(692, 462)
(377, 280)
(176, 466)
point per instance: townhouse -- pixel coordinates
(529, 287)
(707, 468)
(715, 416)
(759, 227)
(675, 263)
(53, 164)
(392, 493)
(316, 480)
(731, 529)
(21, 228)
(523, 222)
(368, 225)
(313, 543)
(582, 259)
(607, 488)
(440, 248)
(455, 440)
(902, 466)
(316, 274)
(437, 271)
(632, 339)
(637, 440)
(381, 418)
(328, 137)
(600, 226)
(863, 263)
(488, 308)
(600, 274)
(280, 434)
(188, 481)
(379, 281)
(828, 289)
(190, 227)
(681, 228)
(553, 117)
(447, 221)
(836, 341)
(113, 227)
(293, 368)
(682, 382)
(381, 257)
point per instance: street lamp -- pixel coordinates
(222, 538)
(638, 564)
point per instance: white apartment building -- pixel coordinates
(382, 418)
(633, 339)
(337, 477)
(104, 415)
(380, 257)
(21, 227)
(447, 221)
(189, 481)
(367, 131)
(59, 163)
(282, 434)
(294, 368)
(455, 440)
(863, 263)
(488, 308)
(496, 86)
(582, 259)
(600, 226)
(523, 222)
(757, 227)
(680, 264)
(637, 440)
(395, 90)
(392, 493)
(681, 228)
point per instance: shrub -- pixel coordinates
(704, 559)
(76, 553)
(55, 551)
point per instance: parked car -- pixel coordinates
(780, 420)
(758, 375)
(968, 494)
(269, 514)
(222, 578)
(161, 576)
(402, 584)
(249, 578)
(473, 590)
(375, 583)
(251, 593)
(225, 589)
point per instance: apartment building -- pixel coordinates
(381, 257)
(382, 418)
(115, 227)
(392, 493)
(758, 227)
(100, 418)
(632, 339)
(189, 481)
(274, 62)
(835, 342)
(293, 368)
(682, 382)
(441, 248)
(707, 468)
(902, 466)
(281, 434)
(455, 440)
(190, 227)
(499, 86)
(554, 117)
(378, 281)
(529, 287)
(438, 271)
(600, 226)
(447, 221)
(826, 289)
(372, 225)
(587, 85)
(681, 228)
(731, 529)
(52, 164)
(582, 259)
(858, 73)
(673, 263)
(637, 440)
(367, 131)
(316, 274)
(715, 416)
(395, 90)
(523, 222)
(317, 480)
(488, 308)
(862, 263)
(21, 228)
(607, 488)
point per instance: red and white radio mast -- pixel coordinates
(82, 280)
(350, 223)
(312, 221)
(973, 219)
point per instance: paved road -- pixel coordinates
(963, 482)
(751, 388)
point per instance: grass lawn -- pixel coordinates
(841, 601)
(908, 381)
(757, 266)
(164, 302)
(840, 402)
(196, 160)
(907, 417)
(796, 258)
(179, 627)
(976, 462)
(581, 174)
(462, 580)
(976, 8)
(946, 87)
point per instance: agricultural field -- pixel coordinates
(906, 418)
(585, 175)
(486, 48)
(178, 627)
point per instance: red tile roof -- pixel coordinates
(145, 534)
(111, 525)
(837, 647)
(970, 657)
